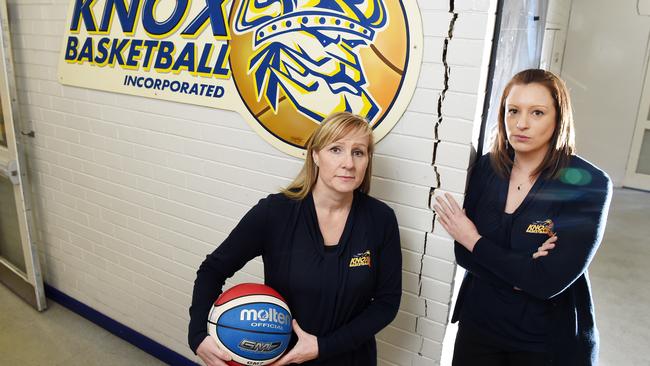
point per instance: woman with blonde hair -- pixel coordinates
(534, 217)
(329, 249)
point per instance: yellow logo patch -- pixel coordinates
(360, 259)
(541, 227)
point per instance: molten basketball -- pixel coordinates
(251, 322)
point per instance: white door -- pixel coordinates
(19, 265)
(637, 174)
(548, 49)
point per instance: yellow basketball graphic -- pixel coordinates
(295, 62)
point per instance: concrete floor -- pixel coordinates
(59, 337)
(619, 277)
(621, 281)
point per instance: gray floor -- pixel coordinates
(619, 277)
(621, 281)
(59, 337)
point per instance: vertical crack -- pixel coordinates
(441, 98)
(424, 251)
(426, 311)
(417, 318)
(443, 93)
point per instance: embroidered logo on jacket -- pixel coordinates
(541, 227)
(360, 259)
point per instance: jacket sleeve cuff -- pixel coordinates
(324, 348)
(196, 340)
(487, 254)
(478, 250)
(500, 261)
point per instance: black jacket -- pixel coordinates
(339, 296)
(576, 203)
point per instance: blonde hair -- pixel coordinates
(332, 129)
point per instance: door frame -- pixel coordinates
(29, 284)
(633, 179)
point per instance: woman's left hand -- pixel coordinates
(305, 349)
(455, 221)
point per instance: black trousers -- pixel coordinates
(472, 348)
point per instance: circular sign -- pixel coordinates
(294, 63)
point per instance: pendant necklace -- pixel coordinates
(519, 185)
(529, 181)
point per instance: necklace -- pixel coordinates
(523, 183)
(520, 185)
(529, 178)
(528, 181)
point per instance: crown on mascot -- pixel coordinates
(350, 19)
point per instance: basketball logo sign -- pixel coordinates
(296, 62)
(284, 65)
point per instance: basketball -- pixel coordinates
(251, 322)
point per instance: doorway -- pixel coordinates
(637, 174)
(19, 264)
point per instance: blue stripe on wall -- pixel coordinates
(139, 340)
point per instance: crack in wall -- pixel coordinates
(417, 318)
(441, 98)
(426, 312)
(424, 250)
(443, 93)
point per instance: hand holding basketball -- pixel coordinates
(251, 323)
(211, 354)
(305, 349)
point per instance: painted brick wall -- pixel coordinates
(131, 193)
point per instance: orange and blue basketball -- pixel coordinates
(251, 322)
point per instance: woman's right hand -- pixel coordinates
(542, 251)
(211, 354)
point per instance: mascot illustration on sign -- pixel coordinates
(294, 62)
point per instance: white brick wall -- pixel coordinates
(131, 193)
